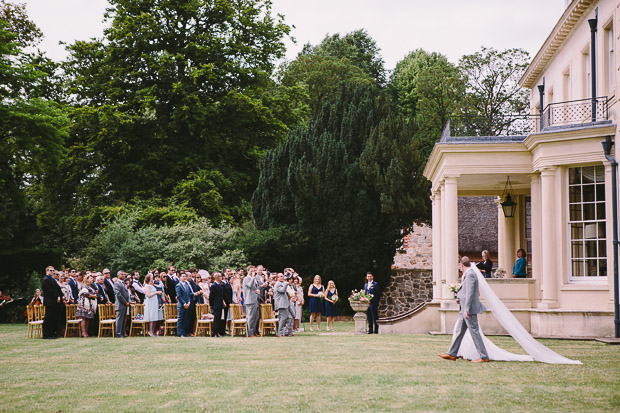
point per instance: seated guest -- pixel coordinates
(486, 266)
(87, 304)
(520, 268)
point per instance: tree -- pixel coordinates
(175, 103)
(328, 183)
(33, 128)
(493, 89)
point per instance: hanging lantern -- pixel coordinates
(509, 206)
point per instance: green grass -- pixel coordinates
(308, 372)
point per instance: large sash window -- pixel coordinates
(586, 199)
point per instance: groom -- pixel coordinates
(468, 298)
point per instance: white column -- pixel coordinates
(536, 227)
(501, 236)
(444, 236)
(436, 200)
(549, 247)
(451, 231)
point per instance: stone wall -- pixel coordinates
(477, 224)
(407, 289)
(417, 250)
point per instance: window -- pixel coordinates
(585, 64)
(586, 202)
(566, 84)
(609, 58)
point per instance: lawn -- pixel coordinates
(308, 372)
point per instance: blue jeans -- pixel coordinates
(181, 322)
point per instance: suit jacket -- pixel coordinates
(375, 291)
(51, 290)
(469, 293)
(170, 289)
(102, 297)
(109, 289)
(122, 296)
(280, 295)
(487, 266)
(183, 294)
(216, 296)
(250, 285)
(228, 292)
(194, 288)
(74, 288)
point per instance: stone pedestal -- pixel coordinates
(360, 316)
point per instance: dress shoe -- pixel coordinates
(481, 361)
(447, 357)
(225, 334)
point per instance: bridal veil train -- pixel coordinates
(536, 350)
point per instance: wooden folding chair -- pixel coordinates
(35, 325)
(170, 318)
(137, 309)
(203, 325)
(72, 323)
(239, 322)
(268, 321)
(107, 318)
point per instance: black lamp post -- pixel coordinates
(509, 206)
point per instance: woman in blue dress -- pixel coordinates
(330, 303)
(316, 292)
(520, 268)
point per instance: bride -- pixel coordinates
(536, 351)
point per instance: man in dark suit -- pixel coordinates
(216, 300)
(52, 300)
(228, 293)
(196, 292)
(372, 287)
(184, 298)
(109, 286)
(73, 284)
(120, 304)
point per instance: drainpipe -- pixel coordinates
(541, 98)
(607, 144)
(593, 23)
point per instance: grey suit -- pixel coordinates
(469, 298)
(250, 300)
(282, 304)
(122, 302)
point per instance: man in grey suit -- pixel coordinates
(282, 302)
(468, 297)
(122, 302)
(250, 300)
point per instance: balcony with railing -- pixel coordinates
(560, 115)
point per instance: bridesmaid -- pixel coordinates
(330, 304)
(315, 292)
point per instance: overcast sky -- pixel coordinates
(451, 27)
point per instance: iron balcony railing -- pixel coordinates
(574, 112)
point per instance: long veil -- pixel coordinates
(535, 349)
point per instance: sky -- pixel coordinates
(450, 27)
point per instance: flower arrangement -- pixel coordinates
(321, 295)
(360, 296)
(500, 273)
(334, 298)
(454, 288)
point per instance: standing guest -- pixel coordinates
(292, 307)
(102, 295)
(153, 313)
(372, 287)
(79, 277)
(137, 285)
(87, 304)
(66, 289)
(250, 294)
(183, 302)
(520, 268)
(133, 298)
(282, 302)
(121, 304)
(73, 283)
(205, 284)
(37, 299)
(109, 285)
(330, 304)
(52, 299)
(228, 294)
(66, 299)
(299, 303)
(195, 291)
(169, 287)
(315, 292)
(159, 286)
(486, 266)
(216, 300)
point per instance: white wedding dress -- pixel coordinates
(536, 350)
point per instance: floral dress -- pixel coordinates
(86, 306)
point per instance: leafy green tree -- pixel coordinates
(175, 103)
(327, 183)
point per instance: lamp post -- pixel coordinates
(607, 145)
(509, 206)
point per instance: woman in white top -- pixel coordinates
(152, 311)
(300, 302)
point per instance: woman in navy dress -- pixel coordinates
(316, 292)
(330, 303)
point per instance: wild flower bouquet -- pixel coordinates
(334, 298)
(500, 273)
(454, 288)
(321, 295)
(360, 296)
